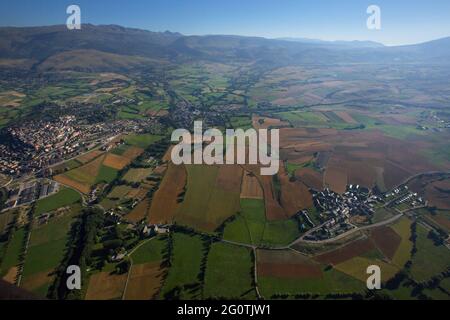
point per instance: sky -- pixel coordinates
(402, 21)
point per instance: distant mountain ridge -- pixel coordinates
(57, 48)
(341, 43)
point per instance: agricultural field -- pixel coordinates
(142, 140)
(64, 197)
(139, 212)
(46, 250)
(182, 280)
(251, 188)
(11, 256)
(5, 219)
(403, 253)
(212, 196)
(430, 260)
(347, 252)
(98, 167)
(386, 240)
(440, 218)
(146, 274)
(251, 226)
(229, 273)
(106, 286)
(290, 273)
(119, 192)
(88, 175)
(249, 223)
(280, 233)
(137, 174)
(166, 200)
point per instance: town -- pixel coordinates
(35, 145)
(356, 207)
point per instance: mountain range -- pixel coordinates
(112, 47)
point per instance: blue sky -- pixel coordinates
(403, 22)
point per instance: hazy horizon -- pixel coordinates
(299, 38)
(402, 22)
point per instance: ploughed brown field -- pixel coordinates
(274, 211)
(106, 286)
(295, 196)
(286, 264)
(310, 177)
(37, 280)
(144, 282)
(116, 162)
(251, 189)
(11, 275)
(82, 187)
(364, 157)
(347, 252)
(132, 153)
(139, 212)
(85, 158)
(386, 240)
(165, 201)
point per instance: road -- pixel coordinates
(345, 234)
(406, 181)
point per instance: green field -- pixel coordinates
(46, 250)
(120, 150)
(5, 219)
(292, 167)
(207, 204)
(137, 174)
(279, 233)
(63, 198)
(332, 281)
(182, 279)
(445, 284)
(304, 118)
(151, 251)
(229, 273)
(142, 140)
(106, 174)
(119, 192)
(403, 292)
(399, 131)
(13, 251)
(381, 214)
(314, 119)
(436, 294)
(237, 230)
(429, 260)
(241, 122)
(249, 224)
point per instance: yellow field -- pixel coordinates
(106, 286)
(357, 268)
(145, 280)
(403, 253)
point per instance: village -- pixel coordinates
(342, 213)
